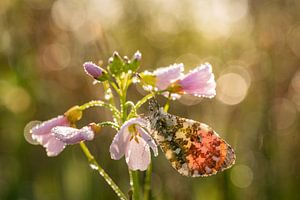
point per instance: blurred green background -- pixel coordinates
(253, 45)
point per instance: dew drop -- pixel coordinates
(93, 166)
(28, 134)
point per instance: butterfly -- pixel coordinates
(193, 148)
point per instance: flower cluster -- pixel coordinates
(133, 138)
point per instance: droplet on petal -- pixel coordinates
(71, 135)
(28, 132)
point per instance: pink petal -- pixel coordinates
(166, 75)
(148, 139)
(138, 155)
(199, 82)
(70, 135)
(42, 139)
(45, 127)
(119, 143)
(54, 146)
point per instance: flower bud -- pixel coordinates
(95, 127)
(74, 114)
(137, 56)
(94, 71)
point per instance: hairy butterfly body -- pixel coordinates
(193, 148)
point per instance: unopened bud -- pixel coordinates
(137, 56)
(93, 70)
(74, 114)
(95, 127)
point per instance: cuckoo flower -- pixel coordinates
(55, 134)
(198, 82)
(133, 141)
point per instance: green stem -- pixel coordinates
(106, 87)
(147, 185)
(115, 87)
(95, 103)
(134, 183)
(94, 165)
(167, 105)
(139, 104)
(110, 124)
(134, 179)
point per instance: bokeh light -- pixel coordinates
(241, 176)
(232, 88)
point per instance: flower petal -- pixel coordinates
(70, 135)
(138, 155)
(119, 144)
(54, 146)
(199, 82)
(45, 127)
(166, 75)
(148, 139)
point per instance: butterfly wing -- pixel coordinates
(193, 148)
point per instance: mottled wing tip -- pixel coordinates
(230, 158)
(153, 105)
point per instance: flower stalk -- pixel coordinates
(94, 165)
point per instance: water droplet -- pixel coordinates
(135, 79)
(93, 166)
(28, 134)
(108, 94)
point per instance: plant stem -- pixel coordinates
(99, 103)
(147, 184)
(167, 105)
(134, 183)
(94, 165)
(140, 103)
(110, 124)
(134, 179)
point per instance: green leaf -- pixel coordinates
(135, 61)
(116, 64)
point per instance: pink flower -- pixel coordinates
(69, 135)
(133, 141)
(198, 82)
(166, 75)
(56, 133)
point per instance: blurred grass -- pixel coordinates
(254, 47)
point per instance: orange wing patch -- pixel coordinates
(193, 148)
